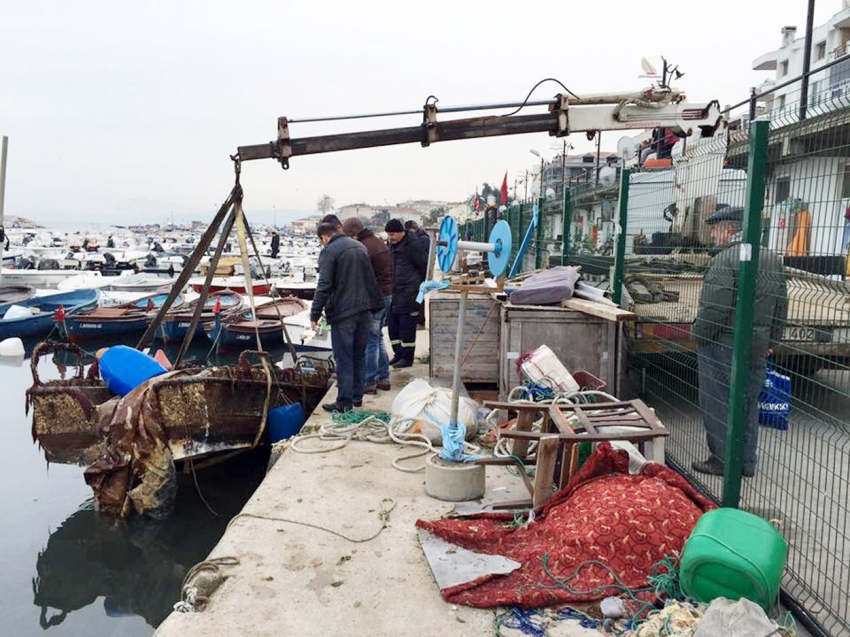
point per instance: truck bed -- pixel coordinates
(818, 316)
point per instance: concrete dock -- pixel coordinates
(296, 575)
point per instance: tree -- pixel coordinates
(435, 215)
(325, 204)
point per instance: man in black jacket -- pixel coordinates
(275, 244)
(348, 293)
(410, 265)
(377, 361)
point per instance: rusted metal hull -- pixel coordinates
(131, 444)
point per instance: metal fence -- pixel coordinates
(695, 322)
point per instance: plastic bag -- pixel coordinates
(420, 408)
(775, 399)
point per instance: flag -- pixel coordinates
(475, 201)
(60, 313)
(504, 190)
(217, 306)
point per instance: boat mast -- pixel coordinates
(5, 147)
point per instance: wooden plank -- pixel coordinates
(599, 310)
(544, 478)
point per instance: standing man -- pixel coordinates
(275, 244)
(348, 293)
(713, 331)
(410, 265)
(377, 361)
(418, 234)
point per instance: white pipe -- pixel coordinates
(475, 246)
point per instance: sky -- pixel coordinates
(127, 112)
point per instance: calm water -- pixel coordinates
(68, 571)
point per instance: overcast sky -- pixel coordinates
(128, 111)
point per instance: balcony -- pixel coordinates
(766, 62)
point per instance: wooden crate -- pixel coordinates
(480, 361)
(580, 341)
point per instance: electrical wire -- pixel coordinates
(534, 88)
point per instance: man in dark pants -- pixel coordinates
(418, 234)
(410, 264)
(275, 244)
(377, 361)
(713, 331)
(348, 293)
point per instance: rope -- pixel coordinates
(369, 426)
(387, 506)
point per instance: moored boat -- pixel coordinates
(117, 320)
(175, 324)
(233, 283)
(35, 316)
(15, 293)
(242, 328)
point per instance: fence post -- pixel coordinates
(568, 224)
(538, 237)
(620, 231)
(736, 420)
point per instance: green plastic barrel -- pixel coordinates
(733, 554)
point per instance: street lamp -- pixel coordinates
(542, 163)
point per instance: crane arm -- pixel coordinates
(566, 114)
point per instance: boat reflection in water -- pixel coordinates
(138, 566)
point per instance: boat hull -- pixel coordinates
(41, 322)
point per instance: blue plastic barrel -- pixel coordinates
(284, 422)
(124, 368)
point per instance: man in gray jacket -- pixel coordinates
(348, 293)
(713, 331)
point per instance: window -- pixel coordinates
(845, 184)
(820, 51)
(783, 189)
(814, 91)
(783, 69)
(781, 102)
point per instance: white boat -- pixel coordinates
(139, 282)
(303, 337)
(84, 280)
(35, 278)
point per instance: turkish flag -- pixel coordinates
(475, 202)
(217, 306)
(504, 190)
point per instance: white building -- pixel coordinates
(813, 172)
(828, 89)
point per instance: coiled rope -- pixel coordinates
(370, 426)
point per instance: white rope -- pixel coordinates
(373, 429)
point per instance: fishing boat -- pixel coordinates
(15, 293)
(35, 316)
(233, 283)
(117, 320)
(135, 445)
(295, 284)
(242, 328)
(175, 325)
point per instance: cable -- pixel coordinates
(534, 88)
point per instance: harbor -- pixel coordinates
(561, 346)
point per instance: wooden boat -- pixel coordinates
(113, 321)
(35, 316)
(132, 444)
(15, 293)
(240, 329)
(175, 325)
(233, 283)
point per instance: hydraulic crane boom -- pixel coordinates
(657, 107)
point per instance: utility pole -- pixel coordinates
(3, 152)
(598, 150)
(807, 60)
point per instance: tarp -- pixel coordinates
(604, 516)
(550, 286)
